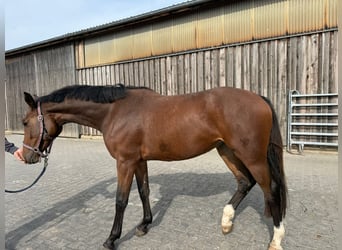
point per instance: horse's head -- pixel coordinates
(39, 131)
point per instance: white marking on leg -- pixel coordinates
(278, 235)
(227, 217)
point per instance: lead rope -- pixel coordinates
(44, 155)
(35, 181)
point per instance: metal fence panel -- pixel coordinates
(312, 120)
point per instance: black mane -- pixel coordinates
(98, 94)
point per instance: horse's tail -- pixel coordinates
(276, 164)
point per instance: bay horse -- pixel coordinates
(139, 124)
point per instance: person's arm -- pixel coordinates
(10, 147)
(14, 150)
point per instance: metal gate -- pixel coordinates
(312, 120)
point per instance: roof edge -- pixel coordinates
(145, 17)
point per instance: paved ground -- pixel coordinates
(72, 207)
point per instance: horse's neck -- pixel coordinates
(81, 112)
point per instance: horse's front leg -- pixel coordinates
(141, 175)
(125, 172)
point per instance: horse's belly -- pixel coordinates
(176, 150)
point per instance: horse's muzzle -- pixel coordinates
(32, 158)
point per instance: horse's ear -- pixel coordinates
(30, 100)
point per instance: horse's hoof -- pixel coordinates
(109, 245)
(272, 247)
(141, 231)
(227, 228)
(227, 217)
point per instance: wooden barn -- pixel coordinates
(270, 47)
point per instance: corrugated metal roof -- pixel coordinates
(238, 26)
(217, 25)
(185, 6)
(195, 25)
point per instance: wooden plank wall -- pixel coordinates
(307, 63)
(270, 68)
(37, 73)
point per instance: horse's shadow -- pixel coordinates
(189, 184)
(199, 185)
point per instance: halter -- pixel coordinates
(42, 132)
(36, 149)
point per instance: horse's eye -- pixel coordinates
(25, 123)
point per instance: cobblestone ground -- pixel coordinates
(72, 206)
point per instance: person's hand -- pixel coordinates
(19, 154)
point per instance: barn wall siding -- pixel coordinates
(270, 68)
(37, 73)
(225, 22)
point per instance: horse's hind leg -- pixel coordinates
(272, 201)
(245, 182)
(141, 175)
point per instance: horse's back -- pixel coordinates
(183, 126)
